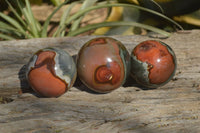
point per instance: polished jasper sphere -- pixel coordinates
(153, 63)
(103, 64)
(51, 72)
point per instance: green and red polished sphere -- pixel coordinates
(51, 72)
(103, 64)
(153, 63)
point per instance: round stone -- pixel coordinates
(153, 63)
(103, 64)
(51, 72)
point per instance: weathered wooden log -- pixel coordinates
(174, 107)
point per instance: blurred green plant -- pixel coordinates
(25, 25)
(39, 2)
(56, 2)
(186, 13)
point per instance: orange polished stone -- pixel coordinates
(103, 64)
(43, 79)
(51, 72)
(160, 62)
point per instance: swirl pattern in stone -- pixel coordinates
(103, 64)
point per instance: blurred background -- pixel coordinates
(24, 19)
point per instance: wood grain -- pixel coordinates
(173, 108)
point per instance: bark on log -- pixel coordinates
(172, 108)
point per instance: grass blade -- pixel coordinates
(12, 33)
(9, 32)
(119, 23)
(12, 21)
(56, 2)
(45, 26)
(24, 11)
(16, 14)
(86, 4)
(6, 37)
(60, 30)
(82, 12)
(7, 27)
(36, 24)
(31, 22)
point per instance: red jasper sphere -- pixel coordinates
(103, 64)
(153, 63)
(51, 72)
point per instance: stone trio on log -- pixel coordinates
(103, 65)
